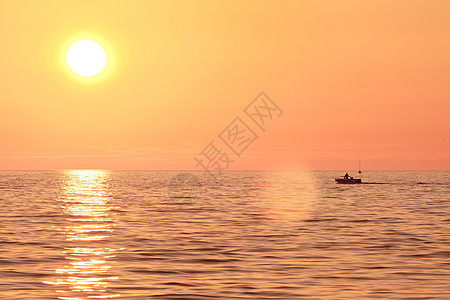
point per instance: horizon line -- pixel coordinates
(235, 170)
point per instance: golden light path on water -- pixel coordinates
(89, 222)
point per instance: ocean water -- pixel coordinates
(245, 235)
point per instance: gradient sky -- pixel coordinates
(353, 78)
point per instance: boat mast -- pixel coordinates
(360, 165)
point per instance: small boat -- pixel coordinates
(346, 179)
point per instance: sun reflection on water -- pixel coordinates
(89, 222)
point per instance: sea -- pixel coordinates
(97, 234)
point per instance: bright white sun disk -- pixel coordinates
(86, 58)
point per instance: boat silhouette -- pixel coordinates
(347, 179)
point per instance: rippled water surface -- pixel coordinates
(248, 235)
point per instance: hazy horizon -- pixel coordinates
(234, 170)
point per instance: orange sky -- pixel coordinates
(354, 78)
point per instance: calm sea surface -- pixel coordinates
(248, 235)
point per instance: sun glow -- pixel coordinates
(86, 58)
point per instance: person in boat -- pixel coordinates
(346, 176)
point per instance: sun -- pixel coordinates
(86, 58)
